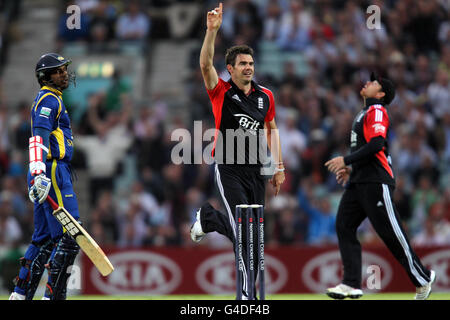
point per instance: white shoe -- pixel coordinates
(197, 233)
(342, 291)
(16, 296)
(45, 298)
(422, 293)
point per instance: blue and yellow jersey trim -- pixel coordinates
(55, 184)
(57, 148)
(57, 144)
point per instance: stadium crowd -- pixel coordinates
(314, 109)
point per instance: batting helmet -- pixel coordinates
(47, 63)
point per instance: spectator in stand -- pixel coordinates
(424, 196)
(105, 149)
(241, 19)
(404, 102)
(11, 187)
(411, 152)
(133, 228)
(66, 35)
(101, 27)
(247, 22)
(439, 93)
(402, 198)
(293, 144)
(347, 99)
(175, 186)
(117, 93)
(288, 226)
(315, 155)
(149, 137)
(397, 69)
(424, 26)
(446, 204)
(290, 75)
(321, 228)
(133, 25)
(87, 6)
(285, 223)
(10, 231)
(350, 50)
(321, 53)
(272, 20)
(155, 215)
(20, 126)
(294, 27)
(104, 219)
(446, 149)
(444, 63)
(422, 75)
(436, 231)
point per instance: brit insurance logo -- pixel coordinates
(139, 272)
(325, 270)
(248, 123)
(217, 275)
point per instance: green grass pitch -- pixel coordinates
(378, 296)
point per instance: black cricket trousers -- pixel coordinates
(236, 185)
(374, 201)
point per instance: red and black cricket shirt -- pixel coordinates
(371, 122)
(240, 117)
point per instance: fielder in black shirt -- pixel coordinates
(244, 115)
(369, 183)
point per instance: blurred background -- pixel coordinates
(138, 79)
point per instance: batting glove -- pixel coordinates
(40, 189)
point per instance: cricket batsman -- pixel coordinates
(50, 173)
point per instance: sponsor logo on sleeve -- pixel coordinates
(45, 112)
(378, 128)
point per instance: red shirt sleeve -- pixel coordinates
(376, 122)
(271, 112)
(216, 95)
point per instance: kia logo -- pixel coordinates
(139, 272)
(217, 275)
(439, 261)
(325, 270)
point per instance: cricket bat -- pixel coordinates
(84, 240)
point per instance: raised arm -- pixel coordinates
(213, 22)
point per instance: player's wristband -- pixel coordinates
(279, 169)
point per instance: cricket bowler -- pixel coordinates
(239, 106)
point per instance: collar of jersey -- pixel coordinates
(372, 101)
(59, 93)
(255, 86)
